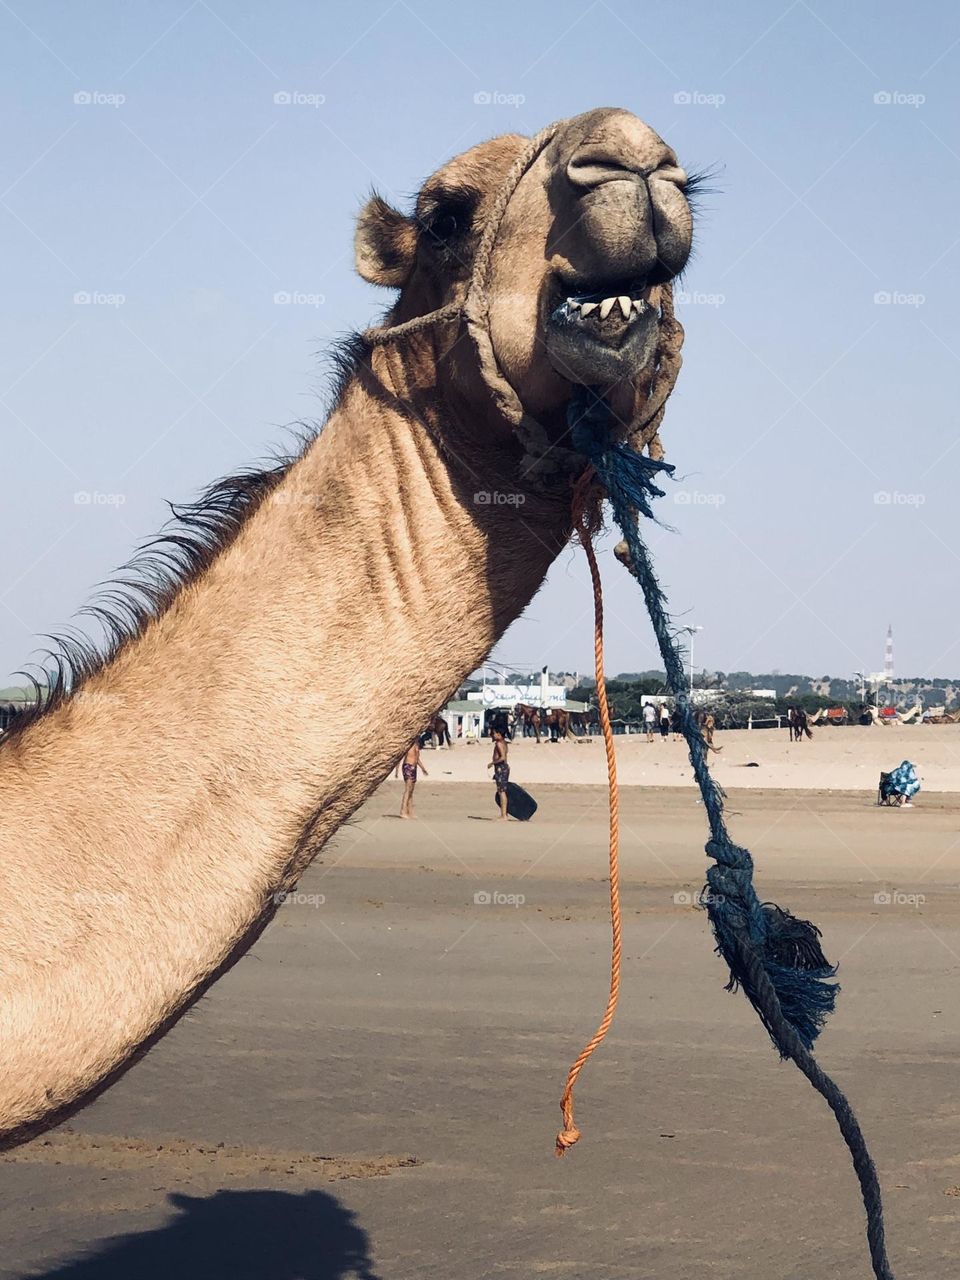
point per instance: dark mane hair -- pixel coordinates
(146, 586)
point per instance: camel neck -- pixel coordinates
(147, 824)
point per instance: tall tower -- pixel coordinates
(888, 655)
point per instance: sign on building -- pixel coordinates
(495, 697)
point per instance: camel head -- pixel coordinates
(596, 224)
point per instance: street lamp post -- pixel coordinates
(691, 632)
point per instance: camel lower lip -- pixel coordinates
(588, 349)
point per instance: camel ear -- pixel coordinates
(384, 244)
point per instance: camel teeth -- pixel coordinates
(606, 306)
(574, 306)
(587, 307)
(624, 306)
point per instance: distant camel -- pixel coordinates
(940, 715)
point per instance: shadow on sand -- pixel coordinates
(235, 1235)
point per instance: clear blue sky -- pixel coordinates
(198, 198)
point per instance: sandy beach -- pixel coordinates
(373, 1091)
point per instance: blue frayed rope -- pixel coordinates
(772, 955)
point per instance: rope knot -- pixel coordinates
(566, 1139)
(728, 854)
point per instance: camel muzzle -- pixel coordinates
(623, 228)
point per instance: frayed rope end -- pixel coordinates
(790, 952)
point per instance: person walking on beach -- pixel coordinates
(501, 771)
(410, 763)
(676, 724)
(649, 719)
(664, 722)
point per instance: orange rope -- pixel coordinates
(569, 1134)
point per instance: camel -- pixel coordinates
(149, 824)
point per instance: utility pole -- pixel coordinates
(691, 632)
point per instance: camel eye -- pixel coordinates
(445, 225)
(450, 218)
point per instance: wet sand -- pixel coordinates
(383, 1070)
